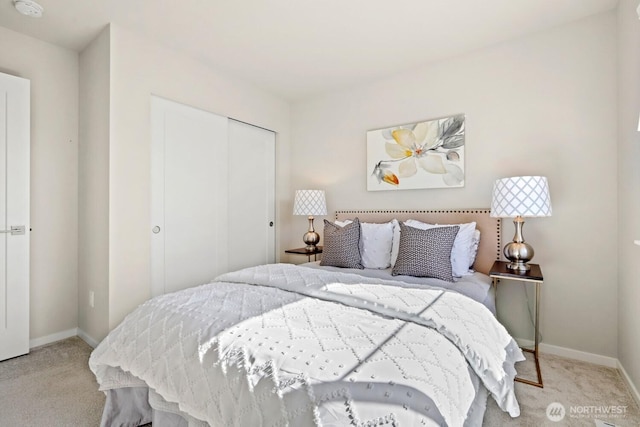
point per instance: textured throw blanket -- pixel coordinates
(287, 345)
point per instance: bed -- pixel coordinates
(319, 345)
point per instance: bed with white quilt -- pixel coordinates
(390, 328)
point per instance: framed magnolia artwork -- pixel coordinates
(427, 154)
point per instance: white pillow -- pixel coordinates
(473, 250)
(395, 247)
(462, 246)
(376, 241)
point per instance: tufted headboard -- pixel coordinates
(489, 248)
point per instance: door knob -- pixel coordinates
(155, 229)
(270, 223)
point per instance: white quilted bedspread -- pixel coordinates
(281, 345)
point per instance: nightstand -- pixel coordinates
(500, 271)
(308, 253)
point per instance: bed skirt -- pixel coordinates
(138, 406)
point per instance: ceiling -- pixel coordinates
(298, 48)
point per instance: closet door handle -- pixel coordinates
(155, 229)
(15, 230)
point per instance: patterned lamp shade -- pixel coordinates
(521, 196)
(309, 202)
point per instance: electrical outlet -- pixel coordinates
(92, 299)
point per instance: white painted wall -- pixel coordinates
(629, 188)
(544, 104)
(93, 188)
(140, 68)
(53, 72)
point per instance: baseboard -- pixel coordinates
(48, 339)
(87, 338)
(58, 336)
(583, 356)
(627, 379)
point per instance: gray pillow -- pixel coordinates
(425, 253)
(342, 245)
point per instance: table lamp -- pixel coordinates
(310, 203)
(519, 197)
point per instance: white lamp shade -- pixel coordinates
(521, 196)
(309, 202)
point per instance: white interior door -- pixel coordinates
(189, 196)
(14, 215)
(251, 195)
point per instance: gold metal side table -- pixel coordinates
(500, 271)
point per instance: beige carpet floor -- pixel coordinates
(586, 387)
(53, 386)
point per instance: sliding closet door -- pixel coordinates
(251, 195)
(212, 196)
(189, 196)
